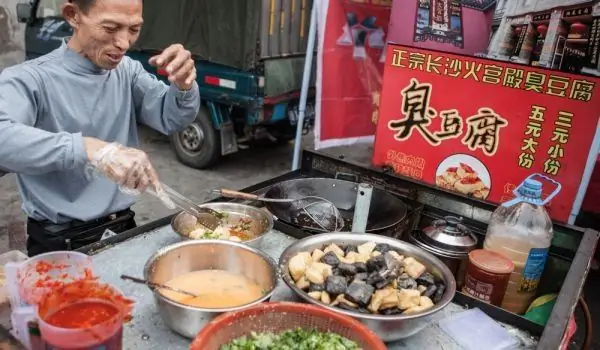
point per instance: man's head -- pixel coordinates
(103, 30)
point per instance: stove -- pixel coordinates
(565, 271)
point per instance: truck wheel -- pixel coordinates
(198, 145)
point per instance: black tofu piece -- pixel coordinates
(426, 279)
(383, 248)
(391, 311)
(376, 263)
(316, 287)
(362, 276)
(360, 267)
(439, 293)
(383, 283)
(350, 248)
(336, 271)
(359, 293)
(407, 283)
(374, 278)
(330, 259)
(430, 291)
(335, 285)
(347, 269)
(391, 263)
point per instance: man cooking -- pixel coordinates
(76, 109)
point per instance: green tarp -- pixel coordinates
(235, 34)
(221, 31)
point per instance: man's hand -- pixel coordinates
(178, 63)
(128, 167)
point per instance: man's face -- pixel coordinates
(107, 30)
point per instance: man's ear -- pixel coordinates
(70, 13)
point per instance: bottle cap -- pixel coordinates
(531, 188)
(491, 261)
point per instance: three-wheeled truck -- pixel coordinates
(249, 58)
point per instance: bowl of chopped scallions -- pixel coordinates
(284, 325)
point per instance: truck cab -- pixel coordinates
(244, 101)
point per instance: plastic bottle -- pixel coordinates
(522, 230)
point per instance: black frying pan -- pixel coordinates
(386, 210)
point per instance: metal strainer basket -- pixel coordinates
(279, 317)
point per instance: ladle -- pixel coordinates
(153, 285)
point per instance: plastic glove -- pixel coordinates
(128, 167)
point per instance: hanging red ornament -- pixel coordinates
(542, 29)
(578, 27)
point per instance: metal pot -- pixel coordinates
(386, 210)
(450, 241)
(188, 256)
(388, 328)
(262, 221)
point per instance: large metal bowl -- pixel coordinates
(388, 328)
(262, 221)
(195, 255)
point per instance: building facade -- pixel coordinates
(557, 34)
(457, 26)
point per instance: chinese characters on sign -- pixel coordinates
(522, 35)
(594, 42)
(532, 133)
(417, 114)
(585, 11)
(542, 17)
(405, 164)
(560, 137)
(477, 126)
(494, 74)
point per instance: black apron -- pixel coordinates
(45, 236)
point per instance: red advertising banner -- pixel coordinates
(480, 127)
(352, 36)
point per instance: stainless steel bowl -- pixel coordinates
(262, 221)
(195, 255)
(388, 328)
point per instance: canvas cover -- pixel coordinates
(221, 31)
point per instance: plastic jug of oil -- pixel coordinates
(522, 230)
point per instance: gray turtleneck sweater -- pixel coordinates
(48, 104)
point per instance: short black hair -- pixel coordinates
(84, 5)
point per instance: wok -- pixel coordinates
(386, 209)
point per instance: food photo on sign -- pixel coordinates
(523, 121)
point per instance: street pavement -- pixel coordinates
(235, 171)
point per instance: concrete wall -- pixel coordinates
(12, 35)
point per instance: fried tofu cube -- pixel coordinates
(298, 265)
(414, 268)
(408, 298)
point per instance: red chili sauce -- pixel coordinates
(82, 315)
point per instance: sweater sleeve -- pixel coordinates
(160, 106)
(23, 148)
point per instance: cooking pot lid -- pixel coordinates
(450, 235)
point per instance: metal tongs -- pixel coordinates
(172, 199)
(318, 209)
